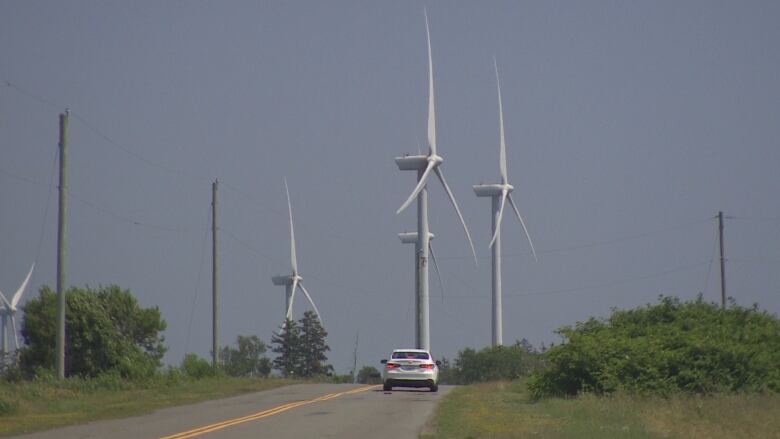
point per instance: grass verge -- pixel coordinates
(505, 410)
(39, 405)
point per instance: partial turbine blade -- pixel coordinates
(4, 302)
(288, 314)
(293, 259)
(500, 216)
(440, 174)
(431, 103)
(438, 273)
(16, 337)
(18, 295)
(316, 311)
(525, 229)
(420, 185)
(502, 152)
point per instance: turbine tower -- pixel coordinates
(294, 281)
(7, 312)
(499, 194)
(424, 165)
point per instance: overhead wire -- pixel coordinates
(197, 282)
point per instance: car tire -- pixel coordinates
(434, 388)
(387, 387)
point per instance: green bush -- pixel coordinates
(490, 364)
(197, 368)
(6, 407)
(369, 375)
(107, 330)
(672, 346)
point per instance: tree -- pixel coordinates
(313, 346)
(247, 359)
(286, 345)
(106, 330)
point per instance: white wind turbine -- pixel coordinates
(294, 281)
(499, 194)
(7, 312)
(424, 165)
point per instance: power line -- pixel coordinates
(91, 127)
(593, 287)
(126, 219)
(197, 283)
(599, 243)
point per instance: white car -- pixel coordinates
(410, 368)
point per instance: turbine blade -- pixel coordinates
(18, 295)
(16, 337)
(417, 189)
(4, 302)
(525, 229)
(502, 151)
(436, 267)
(288, 314)
(293, 258)
(316, 311)
(440, 174)
(500, 216)
(431, 103)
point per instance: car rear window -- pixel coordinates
(410, 355)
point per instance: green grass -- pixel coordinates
(504, 410)
(38, 405)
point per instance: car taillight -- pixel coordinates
(393, 365)
(427, 366)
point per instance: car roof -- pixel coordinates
(411, 350)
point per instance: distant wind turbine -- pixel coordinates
(294, 281)
(7, 314)
(425, 165)
(499, 194)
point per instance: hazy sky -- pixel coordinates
(628, 125)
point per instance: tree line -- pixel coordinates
(107, 331)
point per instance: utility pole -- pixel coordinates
(354, 358)
(722, 262)
(61, 244)
(214, 276)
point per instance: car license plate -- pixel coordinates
(409, 367)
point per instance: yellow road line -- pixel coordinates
(262, 414)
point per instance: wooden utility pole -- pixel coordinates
(722, 262)
(61, 244)
(354, 359)
(214, 276)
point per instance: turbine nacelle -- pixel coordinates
(492, 190)
(411, 237)
(286, 280)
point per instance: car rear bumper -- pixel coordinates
(392, 382)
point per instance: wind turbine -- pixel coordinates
(7, 312)
(425, 165)
(294, 281)
(499, 194)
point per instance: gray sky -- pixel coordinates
(628, 125)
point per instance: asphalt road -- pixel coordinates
(341, 411)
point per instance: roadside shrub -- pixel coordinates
(6, 407)
(491, 364)
(369, 375)
(672, 346)
(195, 367)
(106, 330)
